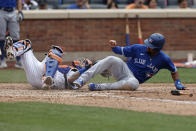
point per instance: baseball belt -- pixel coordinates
(7, 9)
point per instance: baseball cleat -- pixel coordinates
(47, 82)
(78, 83)
(74, 87)
(3, 64)
(94, 87)
(18, 65)
(8, 47)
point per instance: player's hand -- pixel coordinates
(20, 16)
(179, 85)
(112, 43)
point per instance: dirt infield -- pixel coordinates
(148, 98)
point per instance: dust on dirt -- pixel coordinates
(148, 97)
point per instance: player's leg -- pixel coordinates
(16, 49)
(125, 78)
(124, 84)
(118, 69)
(51, 66)
(34, 69)
(14, 30)
(3, 28)
(73, 75)
(96, 69)
(80, 67)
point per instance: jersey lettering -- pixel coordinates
(139, 61)
(154, 69)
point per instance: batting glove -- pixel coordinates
(179, 85)
(20, 16)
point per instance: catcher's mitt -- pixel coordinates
(82, 62)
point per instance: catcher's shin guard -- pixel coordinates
(22, 46)
(53, 60)
(8, 47)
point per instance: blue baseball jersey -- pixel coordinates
(142, 64)
(8, 3)
(64, 69)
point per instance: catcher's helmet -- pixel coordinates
(155, 41)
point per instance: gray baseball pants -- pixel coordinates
(9, 20)
(120, 71)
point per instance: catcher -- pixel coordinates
(145, 61)
(47, 74)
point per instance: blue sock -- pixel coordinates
(83, 70)
(2, 49)
(18, 58)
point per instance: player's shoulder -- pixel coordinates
(138, 46)
(164, 56)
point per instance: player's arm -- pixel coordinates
(19, 5)
(174, 74)
(127, 51)
(20, 13)
(116, 49)
(177, 82)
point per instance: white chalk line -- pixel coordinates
(94, 94)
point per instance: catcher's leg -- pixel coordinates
(51, 66)
(16, 49)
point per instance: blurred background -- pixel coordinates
(84, 27)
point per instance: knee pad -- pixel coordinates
(53, 60)
(22, 46)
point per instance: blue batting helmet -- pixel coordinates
(155, 41)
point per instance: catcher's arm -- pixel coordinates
(81, 65)
(177, 82)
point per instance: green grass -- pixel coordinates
(187, 75)
(56, 117)
(12, 76)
